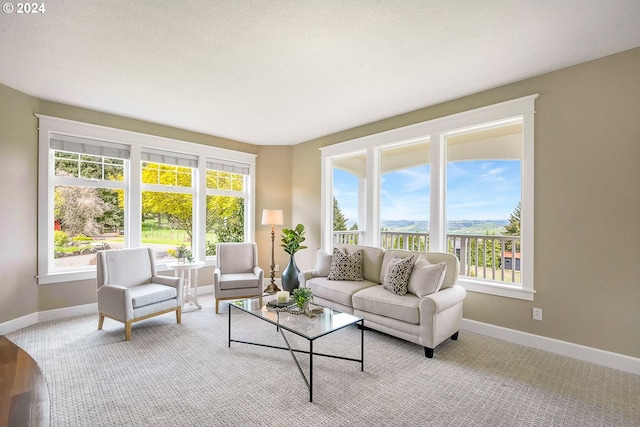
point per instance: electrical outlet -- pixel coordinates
(537, 313)
(277, 267)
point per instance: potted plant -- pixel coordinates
(182, 253)
(292, 242)
(302, 297)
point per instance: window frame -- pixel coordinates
(137, 142)
(436, 131)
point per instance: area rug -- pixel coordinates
(186, 375)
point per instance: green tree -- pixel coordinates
(225, 218)
(339, 220)
(176, 207)
(113, 216)
(513, 228)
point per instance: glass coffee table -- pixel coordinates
(324, 322)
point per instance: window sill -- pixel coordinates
(495, 288)
(90, 274)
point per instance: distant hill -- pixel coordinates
(467, 226)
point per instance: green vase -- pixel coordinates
(290, 279)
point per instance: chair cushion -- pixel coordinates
(236, 257)
(426, 278)
(238, 280)
(128, 267)
(396, 277)
(378, 300)
(151, 293)
(346, 266)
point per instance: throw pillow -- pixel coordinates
(426, 278)
(346, 267)
(323, 263)
(396, 277)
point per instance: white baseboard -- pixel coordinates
(576, 351)
(19, 323)
(62, 313)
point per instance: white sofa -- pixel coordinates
(424, 319)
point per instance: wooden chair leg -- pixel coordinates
(127, 331)
(217, 303)
(100, 321)
(179, 314)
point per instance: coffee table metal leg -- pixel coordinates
(295, 359)
(362, 346)
(310, 370)
(229, 326)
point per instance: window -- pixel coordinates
(404, 196)
(461, 184)
(88, 200)
(167, 184)
(104, 188)
(226, 201)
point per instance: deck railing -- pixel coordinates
(486, 257)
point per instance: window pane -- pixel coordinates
(86, 220)
(89, 167)
(404, 197)
(348, 199)
(225, 181)
(483, 195)
(225, 221)
(158, 173)
(167, 222)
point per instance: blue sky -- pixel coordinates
(480, 190)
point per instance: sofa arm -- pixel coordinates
(115, 301)
(438, 302)
(303, 276)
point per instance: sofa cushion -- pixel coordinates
(371, 260)
(151, 293)
(426, 278)
(340, 291)
(396, 276)
(346, 266)
(237, 280)
(323, 263)
(378, 300)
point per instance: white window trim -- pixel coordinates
(136, 141)
(436, 130)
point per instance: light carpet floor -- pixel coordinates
(185, 375)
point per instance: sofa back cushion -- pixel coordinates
(371, 260)
(453, 265)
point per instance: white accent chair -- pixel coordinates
(129, 289)
(237, 274)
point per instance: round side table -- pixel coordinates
(189, 287)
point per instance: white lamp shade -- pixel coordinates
(272, 217)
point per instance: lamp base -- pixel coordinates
(272, 288)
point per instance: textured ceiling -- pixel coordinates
(283, 72)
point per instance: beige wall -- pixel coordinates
(18, 212)
(586, 197)
(587, 202)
